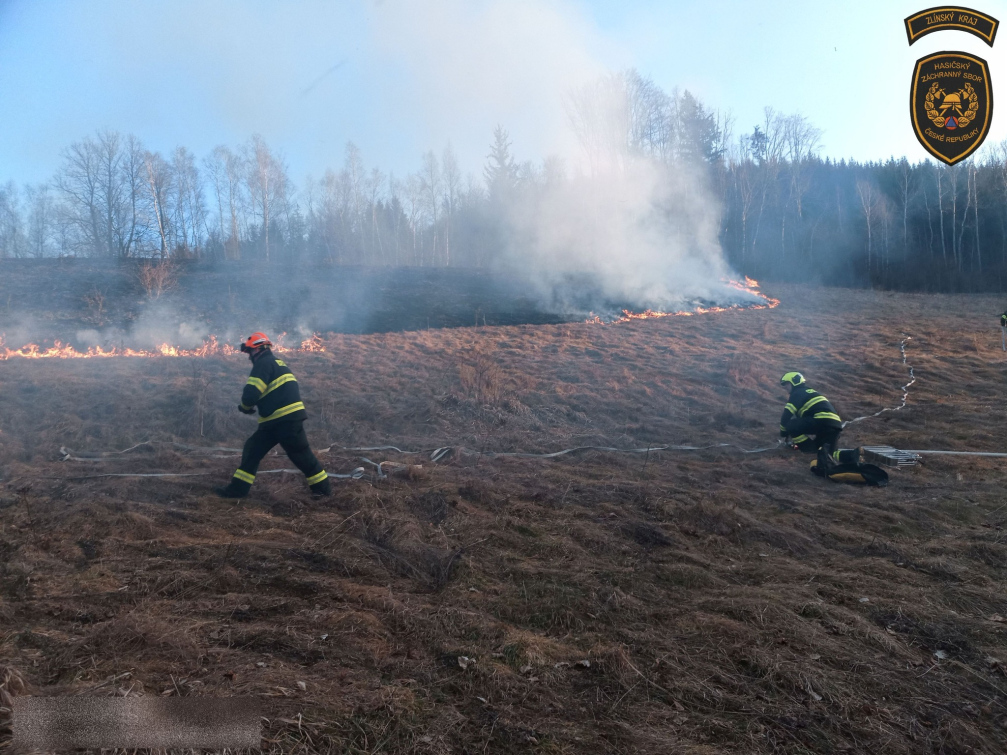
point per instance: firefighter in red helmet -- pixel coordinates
(272, 389)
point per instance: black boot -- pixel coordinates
(234, 489)
(322, 489)
(825, 458)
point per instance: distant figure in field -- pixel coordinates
(810, 421)
(273, 388)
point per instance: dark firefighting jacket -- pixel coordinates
(272, 388)
(805, 410)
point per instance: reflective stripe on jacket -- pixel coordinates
(807, 404)
(272, 388)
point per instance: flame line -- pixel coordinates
(210, 347)
(749, 286)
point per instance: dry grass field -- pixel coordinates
(692, 602)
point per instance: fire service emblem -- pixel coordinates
(951, 104)
(952, 17)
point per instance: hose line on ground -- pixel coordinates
(443, 452)
(905, 388)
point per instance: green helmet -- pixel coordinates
(793, 379)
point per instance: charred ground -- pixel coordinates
(674, 602)
(61, 299)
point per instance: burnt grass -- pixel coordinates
(42, 300)
(695, 602)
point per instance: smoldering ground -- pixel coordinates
(88, 303)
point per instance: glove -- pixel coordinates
(243, 410)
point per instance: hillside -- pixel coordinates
(695, 602)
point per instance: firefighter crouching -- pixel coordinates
(272, 388)
(812, 424)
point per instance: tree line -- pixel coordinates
(791, 214)
(785, 212)
(112, 198)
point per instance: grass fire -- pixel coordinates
(448, 378)
(749, 286)
(210, 347)
(734, 587)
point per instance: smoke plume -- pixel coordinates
(603, 224)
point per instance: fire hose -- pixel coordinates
(439, 454)
(435, 456)
(905, 388)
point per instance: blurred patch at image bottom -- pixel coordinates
(63, 723)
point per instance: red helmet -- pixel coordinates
(256, 341)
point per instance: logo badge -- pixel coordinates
(952, 17)
(951, 104)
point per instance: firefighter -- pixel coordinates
(808, 413)
(272, 388)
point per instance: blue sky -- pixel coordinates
(398, 77)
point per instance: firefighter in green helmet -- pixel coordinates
(810, 422)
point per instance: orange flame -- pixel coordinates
(210, 347)
(313, 344)
(749, 286)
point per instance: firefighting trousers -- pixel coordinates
(292, 439)
(814, 438)
(824, 436)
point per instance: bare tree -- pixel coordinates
(233, 170)
(940, 210)
(267, 184)
(41, 220)
(214, 165)
(869, 198)
(373, 185)
(189, 211)
(414, 201)
(395, 204)
(970, 196)
(157, 278)
(129, 225)
(431, 189)
(954, 174)
(101, 182)
(651, 127)
(452, 180)
(12, 238)
(110, 187)
(77, 181)
(600, 114)
(353, 180)
(801, 142)
(335, 212)
(767, 151)
(745, 177)
(159, 186)
(906, 181)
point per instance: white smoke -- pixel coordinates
(642, 236)
(631, 231)
(157, 323)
